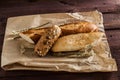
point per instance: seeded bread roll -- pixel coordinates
(47, 40)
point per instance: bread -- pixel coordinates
(75, 42)
(47, 40)
(32, 35)
(78, 27)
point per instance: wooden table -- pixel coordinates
(111, 13)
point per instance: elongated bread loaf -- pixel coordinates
(75, 42)
(78, 27)
(47, 40)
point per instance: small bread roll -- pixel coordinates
(47, 40)
(75, 42)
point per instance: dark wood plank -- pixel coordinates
(67, 76)
(112, 21)
(113, 37)
(14, 8)
(62, 75)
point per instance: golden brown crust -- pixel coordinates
(32, 35)
(78, 27)
(67, 29)
(76, 42)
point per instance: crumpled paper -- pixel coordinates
(13, 59)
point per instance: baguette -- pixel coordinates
(78, 27)
(47, 40)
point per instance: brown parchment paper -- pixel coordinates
(12, 59)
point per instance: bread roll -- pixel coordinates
(47, 40)
(75, 42)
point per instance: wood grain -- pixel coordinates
(112, 21)
(67, 76)
(22, 7)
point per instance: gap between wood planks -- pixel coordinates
(47, 6)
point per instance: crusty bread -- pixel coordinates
(32, 35)
(78, 27)
(47, 40)
(75, 42)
